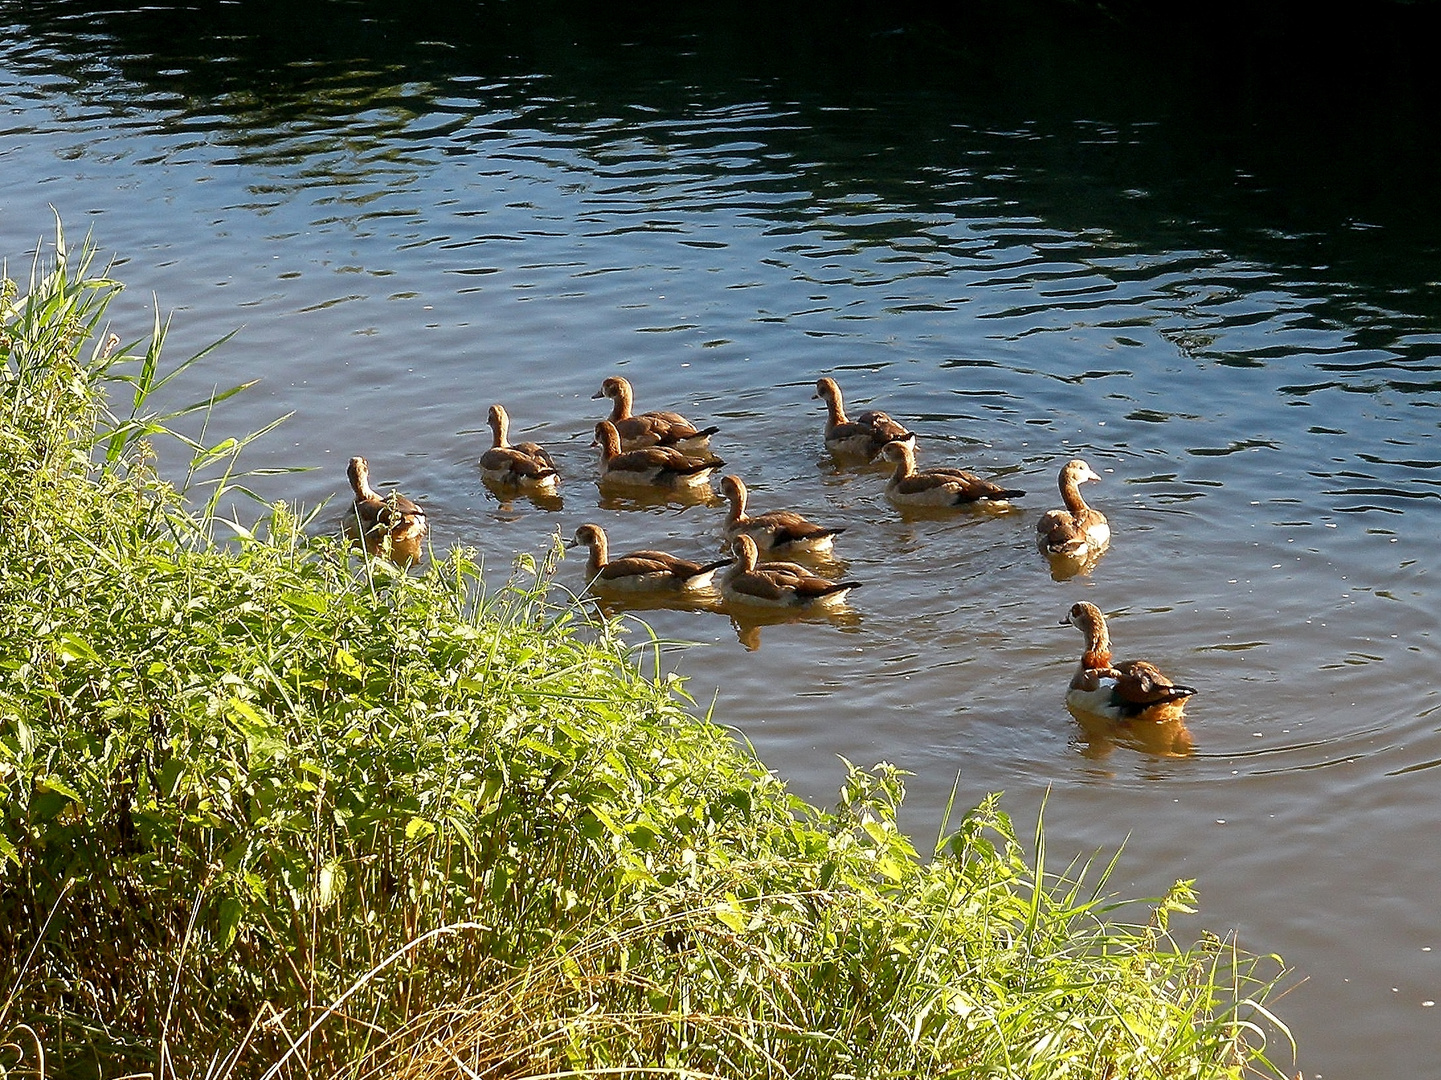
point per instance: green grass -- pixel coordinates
(272, 809)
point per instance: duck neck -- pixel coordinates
(609, 441)
(1071, 496)
(737, 513)
(498, 428)
(1098, 646)
(360, 484)
(599, 555)
(620, 404)
(905, 467)
(835, 407)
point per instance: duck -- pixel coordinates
(778, 584)
(386, 524)
(941, 486)
(650, 428)
(776, 530)
(525, 465)
(1077, 532)
(647, 571)
(1132, 690)
(862, 437)
(651, 466)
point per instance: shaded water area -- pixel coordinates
(1030, 237)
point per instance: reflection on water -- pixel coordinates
(749, 622)
(1161, 738)
(1126, 260)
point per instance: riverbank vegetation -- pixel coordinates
(271, 809)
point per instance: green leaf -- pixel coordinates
(231, 912)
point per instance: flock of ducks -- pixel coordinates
(663, 453)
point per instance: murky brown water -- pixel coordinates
(408, 226)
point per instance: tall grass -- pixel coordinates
(271, 809)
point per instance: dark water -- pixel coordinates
(1032, 236)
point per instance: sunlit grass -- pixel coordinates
(272, 809)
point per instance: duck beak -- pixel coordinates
(1065, 622)
(597, 394)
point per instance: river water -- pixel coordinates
(1218, 287)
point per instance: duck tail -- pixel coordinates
(699, 466)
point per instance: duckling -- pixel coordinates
(642, 570)
(775, 530)
(650, 466)
(940, 486)
(525, 465)
(1130, 690)
(862, 437)
(778, 584)
(650, 428)
(386, 524)
(1077, 532)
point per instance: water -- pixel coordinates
(1013, 236)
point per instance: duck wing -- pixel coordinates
(785, 527)
(1140, 684)
(1057, 532)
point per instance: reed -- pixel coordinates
(272, 809)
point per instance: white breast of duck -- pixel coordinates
(862, 437)
(940, 487)
(524, 465)
(776, 530)
(1131, 690)
(643, 571)
(656, 428)
(652, 466)
(779, 584)
(1078, 531)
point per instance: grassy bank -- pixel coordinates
(273, 810)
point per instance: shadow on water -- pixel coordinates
(1317, 131)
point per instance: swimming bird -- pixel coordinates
(387, 524)
(939, 486)
(778, 584)
(650, 466)
(650, 428)
(1129, 690)
(775, 530)
(1077, 532)
(525, 464)
(862, 437)
(637, 571)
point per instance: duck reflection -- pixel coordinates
(638, 498)
(508, 494)
(1100, 735)
(748, 623)
(1065, 566)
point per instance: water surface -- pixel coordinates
(1013, 237)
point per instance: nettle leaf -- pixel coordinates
(230, 915)
(345, 662)
(329, 883)
(69, 647)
